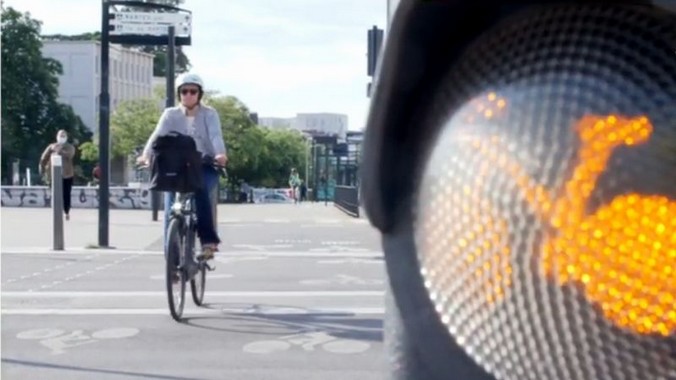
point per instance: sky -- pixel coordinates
(280, 57)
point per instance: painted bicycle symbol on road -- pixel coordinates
(308, 342)
(58, 341)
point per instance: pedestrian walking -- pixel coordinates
(67, 151)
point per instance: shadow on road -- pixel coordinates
(287, 320)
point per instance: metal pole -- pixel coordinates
(57, 202)
(307, 163)
(170, 100)
(104, 133)
(326, 171)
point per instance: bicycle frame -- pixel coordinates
(183, 208)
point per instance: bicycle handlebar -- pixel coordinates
(206, 160)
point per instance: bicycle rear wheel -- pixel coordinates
(175, 275)
(198, 284)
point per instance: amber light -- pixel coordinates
(622, 256)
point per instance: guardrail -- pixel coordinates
(347, 200)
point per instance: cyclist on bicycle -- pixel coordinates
(202, 122)
(294, 183)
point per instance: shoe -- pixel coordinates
(67, 216)
(207, 253)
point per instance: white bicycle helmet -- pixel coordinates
(189, 78)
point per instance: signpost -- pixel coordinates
(374, 43)
(130, 28)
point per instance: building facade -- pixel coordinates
(130, 76)
(316, 124)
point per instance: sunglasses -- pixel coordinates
(190, 91)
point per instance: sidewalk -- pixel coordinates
(25, 229)
(30, 229)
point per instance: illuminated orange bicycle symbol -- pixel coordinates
(623, 255)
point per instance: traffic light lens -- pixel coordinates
(546, 217)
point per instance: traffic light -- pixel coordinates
(519, 161)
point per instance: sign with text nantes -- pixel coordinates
(149, 28)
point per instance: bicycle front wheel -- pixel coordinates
(175, 275)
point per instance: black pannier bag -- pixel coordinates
(176, 164)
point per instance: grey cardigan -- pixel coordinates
(208, 136)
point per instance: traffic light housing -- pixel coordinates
(518, 161)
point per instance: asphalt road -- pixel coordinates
(297, 293)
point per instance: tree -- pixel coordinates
(286, 149)
(131, 125)
(257, 155)
(31, 114)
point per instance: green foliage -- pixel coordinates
(31, 113)
(260, 156)
(132, 123)
(89, 151)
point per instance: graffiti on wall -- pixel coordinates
(81, 197)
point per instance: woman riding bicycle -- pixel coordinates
(202, 123)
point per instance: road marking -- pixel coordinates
(261, 247)
(226, 253)
(339, 248)
(308, 342)
(57, 341)
(229, 260)
(243, 294)
(340, 242)
(293, 241)
(228, 220)
(342, 279)
(351, 260)
(328, 221)
(197, 311)
(209, 276)
(273, 220)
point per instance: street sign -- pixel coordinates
(147, 29)
(167, 18)
(150, 23)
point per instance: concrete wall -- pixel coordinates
(81, 197)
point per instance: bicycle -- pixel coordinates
(181, 265)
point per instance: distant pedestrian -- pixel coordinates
(323, 183)
(294, 183)
(67, 152)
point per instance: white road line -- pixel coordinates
(225, 252)
(201, 311)
(240, 294)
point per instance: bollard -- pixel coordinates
(57, 202)
(155, 203)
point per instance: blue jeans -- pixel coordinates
(205, 222)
